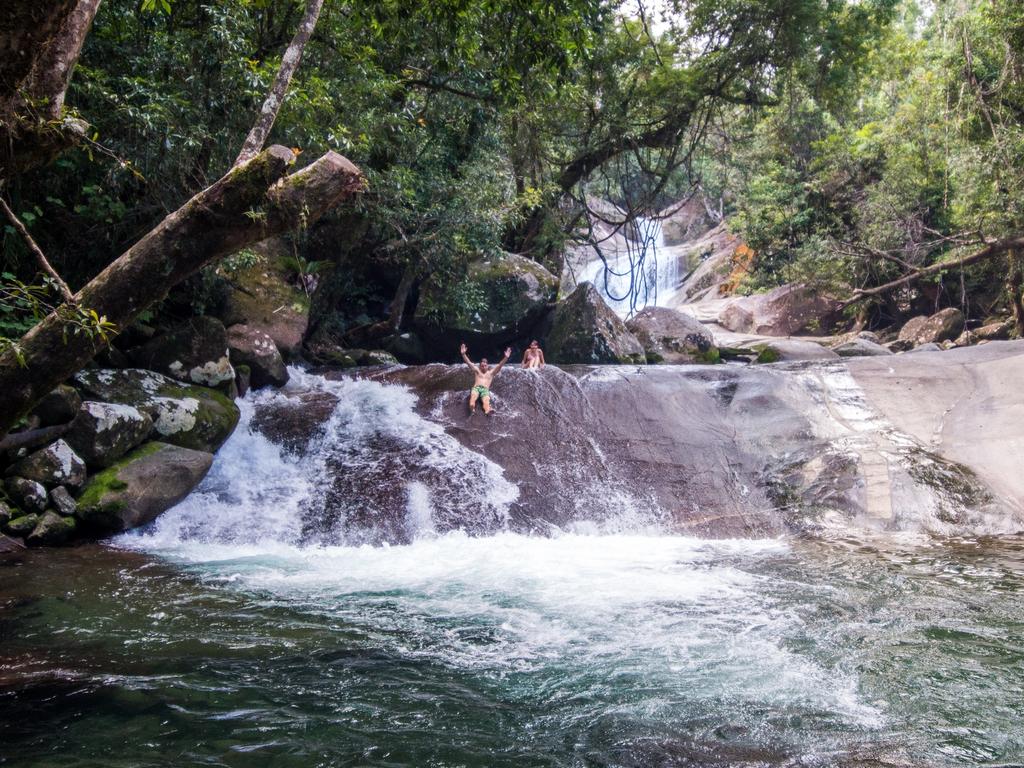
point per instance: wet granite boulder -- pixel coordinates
(944, 325)
(51, 530)
(29, 495)
(788, 310)
(104, 432)
(56, 464)
(861, 348)
(141, 486)
(190, 416)
(510, 295)
(262, 297)
(670, 336)
(195, 352)
(58, 407)
(585, 330)
(254, 348)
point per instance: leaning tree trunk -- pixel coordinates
(252, 202)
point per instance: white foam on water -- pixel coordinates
(587, 608)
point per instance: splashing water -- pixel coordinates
(262, 643)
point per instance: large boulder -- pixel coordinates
(788, 310)
(261, 297)
(58, 407)
(56, 464)
(104, 432)
(585, 330)
(255, 349)
(52, 529)
(502, 298)
(188, 416)
(945, 325)
(195, 352)
(670, 336)
(141, 486)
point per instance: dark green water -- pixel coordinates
(516, 651)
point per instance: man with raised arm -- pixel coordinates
(483, 376)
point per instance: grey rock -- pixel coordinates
(585, 330)
(190, 416)
(104, 432)
(9, 544)
(254, 348)
(27, 494)
(63, 501)
(861, 348)
(670, 336)
(900, 345)
(58, 407)
(929, 347)
(944, 325)
(141, 486)
(52, 529)
(56, 464)
(195, 352)
(7, 513)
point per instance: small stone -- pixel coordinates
(58, 407)
(51, 529)
(27, 494)
(24, 525)
(63, 501)
(900, 345)
(56, 464)
(929, 347)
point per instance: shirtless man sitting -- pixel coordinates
(483, 376)
(533, 357)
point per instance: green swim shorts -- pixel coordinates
(481, 390)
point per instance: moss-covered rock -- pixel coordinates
(262, 298)
(585, 330)
(195, 352)
(103, 432)
(22, 525)
(141, 486)
(189, 416)
(670, 336)
(502, 298)
(56, 464)
(51, 530)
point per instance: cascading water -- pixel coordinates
(261, 622)
(635, 272)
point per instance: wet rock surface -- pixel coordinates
(56, 464)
